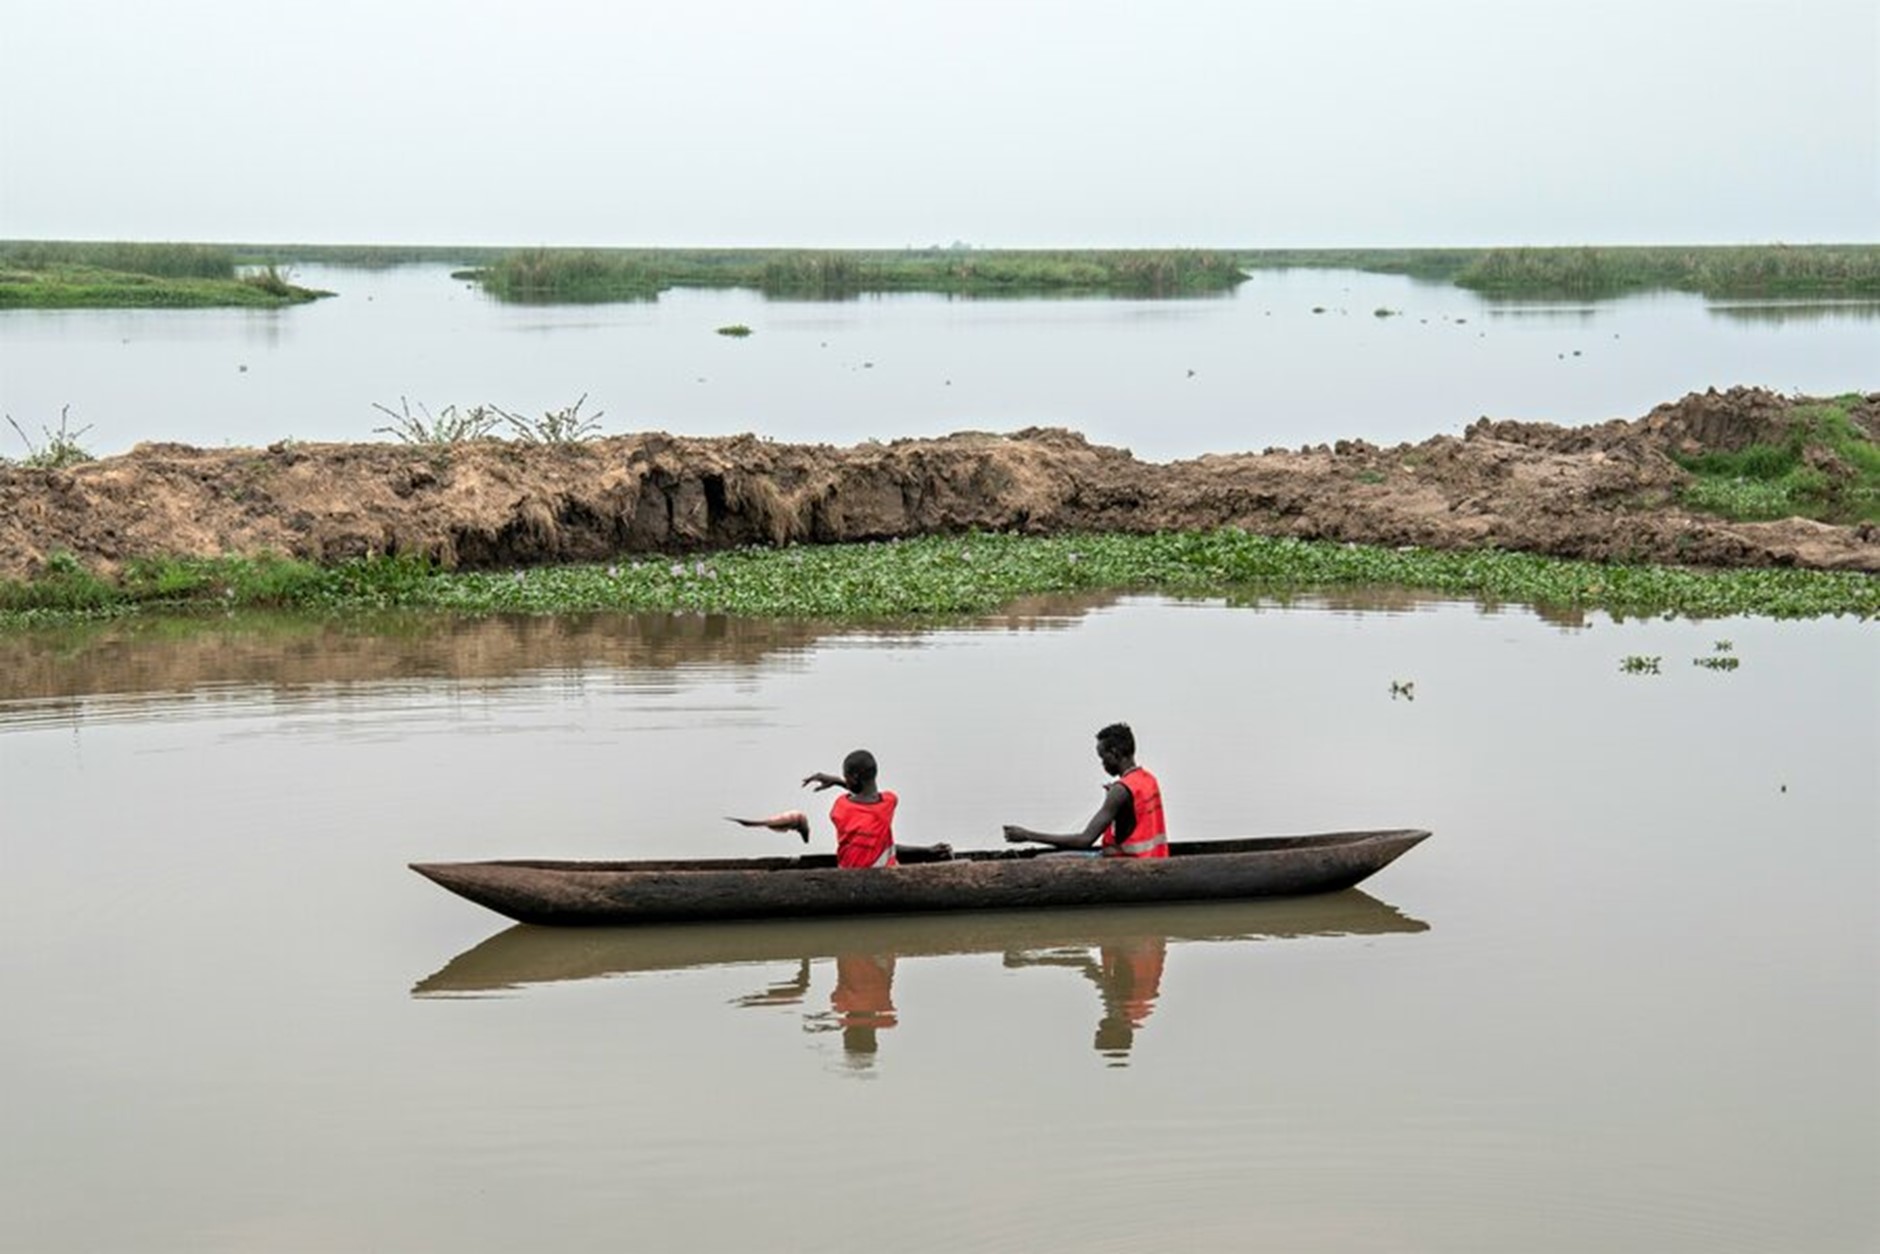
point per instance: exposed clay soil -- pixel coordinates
(1603, 492)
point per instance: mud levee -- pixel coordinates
(1604, 492)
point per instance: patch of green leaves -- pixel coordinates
(945, 575)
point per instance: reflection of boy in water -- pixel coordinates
(1129, 980)
(863, 999)
(1128, 976)
(861, 1004)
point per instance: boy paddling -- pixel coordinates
(1129, 823)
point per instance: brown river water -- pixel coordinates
(1623, 999)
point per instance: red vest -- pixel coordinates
(864, 831)
(1149, 839)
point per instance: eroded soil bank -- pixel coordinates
(1602, 492)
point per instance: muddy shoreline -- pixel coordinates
(1605, 492)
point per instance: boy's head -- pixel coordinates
(858, 771)
(1116, 744)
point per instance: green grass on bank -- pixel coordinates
(933, 576)
(1840, 270)
(50, 275)
(1826, 469)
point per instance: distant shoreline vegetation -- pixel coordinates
(554, 275)
(55, 274)
(1716, 272)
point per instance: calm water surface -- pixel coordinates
(1624, 998)
(1168, 379)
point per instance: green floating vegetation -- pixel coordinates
(53, 275)
(1826, 469)
(927, 577)
(568, 275)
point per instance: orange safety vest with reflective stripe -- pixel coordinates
(1149, 838)
(864, 831)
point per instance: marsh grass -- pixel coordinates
(164, 261)
(68, 275)
(1594, 272)
(542, 275)
(1775, 270)
(1826, 469)
(932, 577)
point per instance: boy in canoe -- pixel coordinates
(864, 817)
(1129, 823)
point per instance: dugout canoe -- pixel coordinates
(617, 893)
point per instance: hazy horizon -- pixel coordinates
(847, 124)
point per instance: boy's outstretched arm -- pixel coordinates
(1115, 797)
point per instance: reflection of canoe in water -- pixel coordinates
(614, 893)
(533, 955)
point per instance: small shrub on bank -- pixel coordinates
(557, 426)
(448, 427)
(273, 280)
(61, 448)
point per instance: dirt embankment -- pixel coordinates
(1603, 492)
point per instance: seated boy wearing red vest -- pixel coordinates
(864, 817)
(1129, 823)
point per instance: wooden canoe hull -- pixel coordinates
(619, 893)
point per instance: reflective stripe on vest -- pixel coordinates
(886, 858)
(1137, 846)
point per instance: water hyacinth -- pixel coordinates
(935, 576)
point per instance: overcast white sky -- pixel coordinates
(1003, 123)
